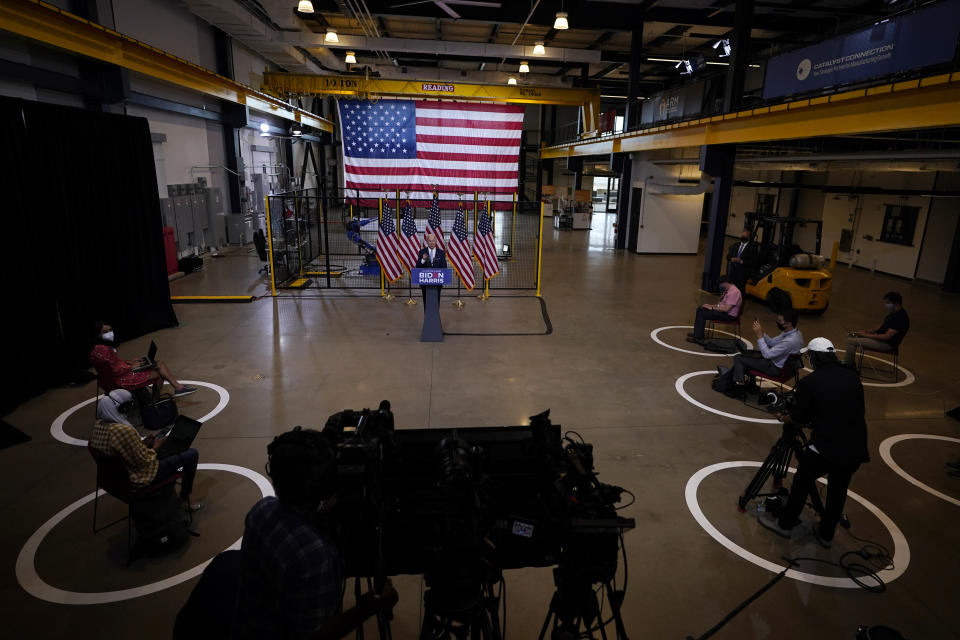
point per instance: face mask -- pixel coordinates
(108, 336)
(888, 305)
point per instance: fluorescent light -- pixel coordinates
(662, 60)
(524, 67)
(603, 95)
(331, 36)
(305, 6)
(754, 66)
(720, 64)
(538, 49)
(264, 127)
(511, 80)
(561, 22)
(350, 58)
(724, 46)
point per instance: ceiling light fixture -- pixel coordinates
(662, 60)
(511, 80)
(305, 6)
(331, 36)
(561, 23)
(296, 129)
(524, 67)
(538, 49)
(264, 127)
(350, 58)
(724, 45)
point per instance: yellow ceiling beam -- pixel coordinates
(929, 102)
(285, 84)
(46, 23)
(309, 84)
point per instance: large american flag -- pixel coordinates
(459, 250)
(387, 246)
(409, 240)
(484, 247)
(433, 223)
(412, 145)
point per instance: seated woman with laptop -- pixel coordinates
(116, 373)
(147, 461)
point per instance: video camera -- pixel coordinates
(461, 505)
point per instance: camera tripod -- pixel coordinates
(574, 605)
(452, 613)
(790, 442)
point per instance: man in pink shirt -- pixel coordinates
(729, 307)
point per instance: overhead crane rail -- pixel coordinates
(922, 103)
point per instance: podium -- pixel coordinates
(432, 280)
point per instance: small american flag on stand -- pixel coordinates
(409, 241)
(483, 246)
(387, 246)
(459, 250)
(433, 222)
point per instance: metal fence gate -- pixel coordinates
(328, 242)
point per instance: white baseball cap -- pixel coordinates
(819, 344)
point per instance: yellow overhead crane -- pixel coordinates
(285, 84)
(933, 101)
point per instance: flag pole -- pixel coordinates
(385, 294)
(458, 303)
(486, 283)
(410, 301)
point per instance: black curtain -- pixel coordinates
(83, 237)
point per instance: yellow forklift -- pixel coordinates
(785, 275)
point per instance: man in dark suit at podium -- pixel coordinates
(742, 260)
(431, 256)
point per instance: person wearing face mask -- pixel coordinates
(116, 373)
(775, 351)
(742, 260)
(727, 309)
(885, 339)
(830, 402)
(113, 435)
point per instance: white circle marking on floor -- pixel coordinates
(908, 377)
(34, 585)
(56, 429)
(887, 444)
(682, 380)
(655, 336)
(901, 550)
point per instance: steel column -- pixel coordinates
(717, 161)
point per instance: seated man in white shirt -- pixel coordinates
(775, 351)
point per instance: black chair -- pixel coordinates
(113, 478)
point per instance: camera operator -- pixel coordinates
(291, 583)
(829, 401)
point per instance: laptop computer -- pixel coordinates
(180, 436)
(150, 360)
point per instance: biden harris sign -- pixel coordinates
(916, 40)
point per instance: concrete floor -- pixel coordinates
(293, 361)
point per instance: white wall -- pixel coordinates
(938, 239)
(670, 223)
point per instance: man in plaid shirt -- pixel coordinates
(292, 578)
(114, 436)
